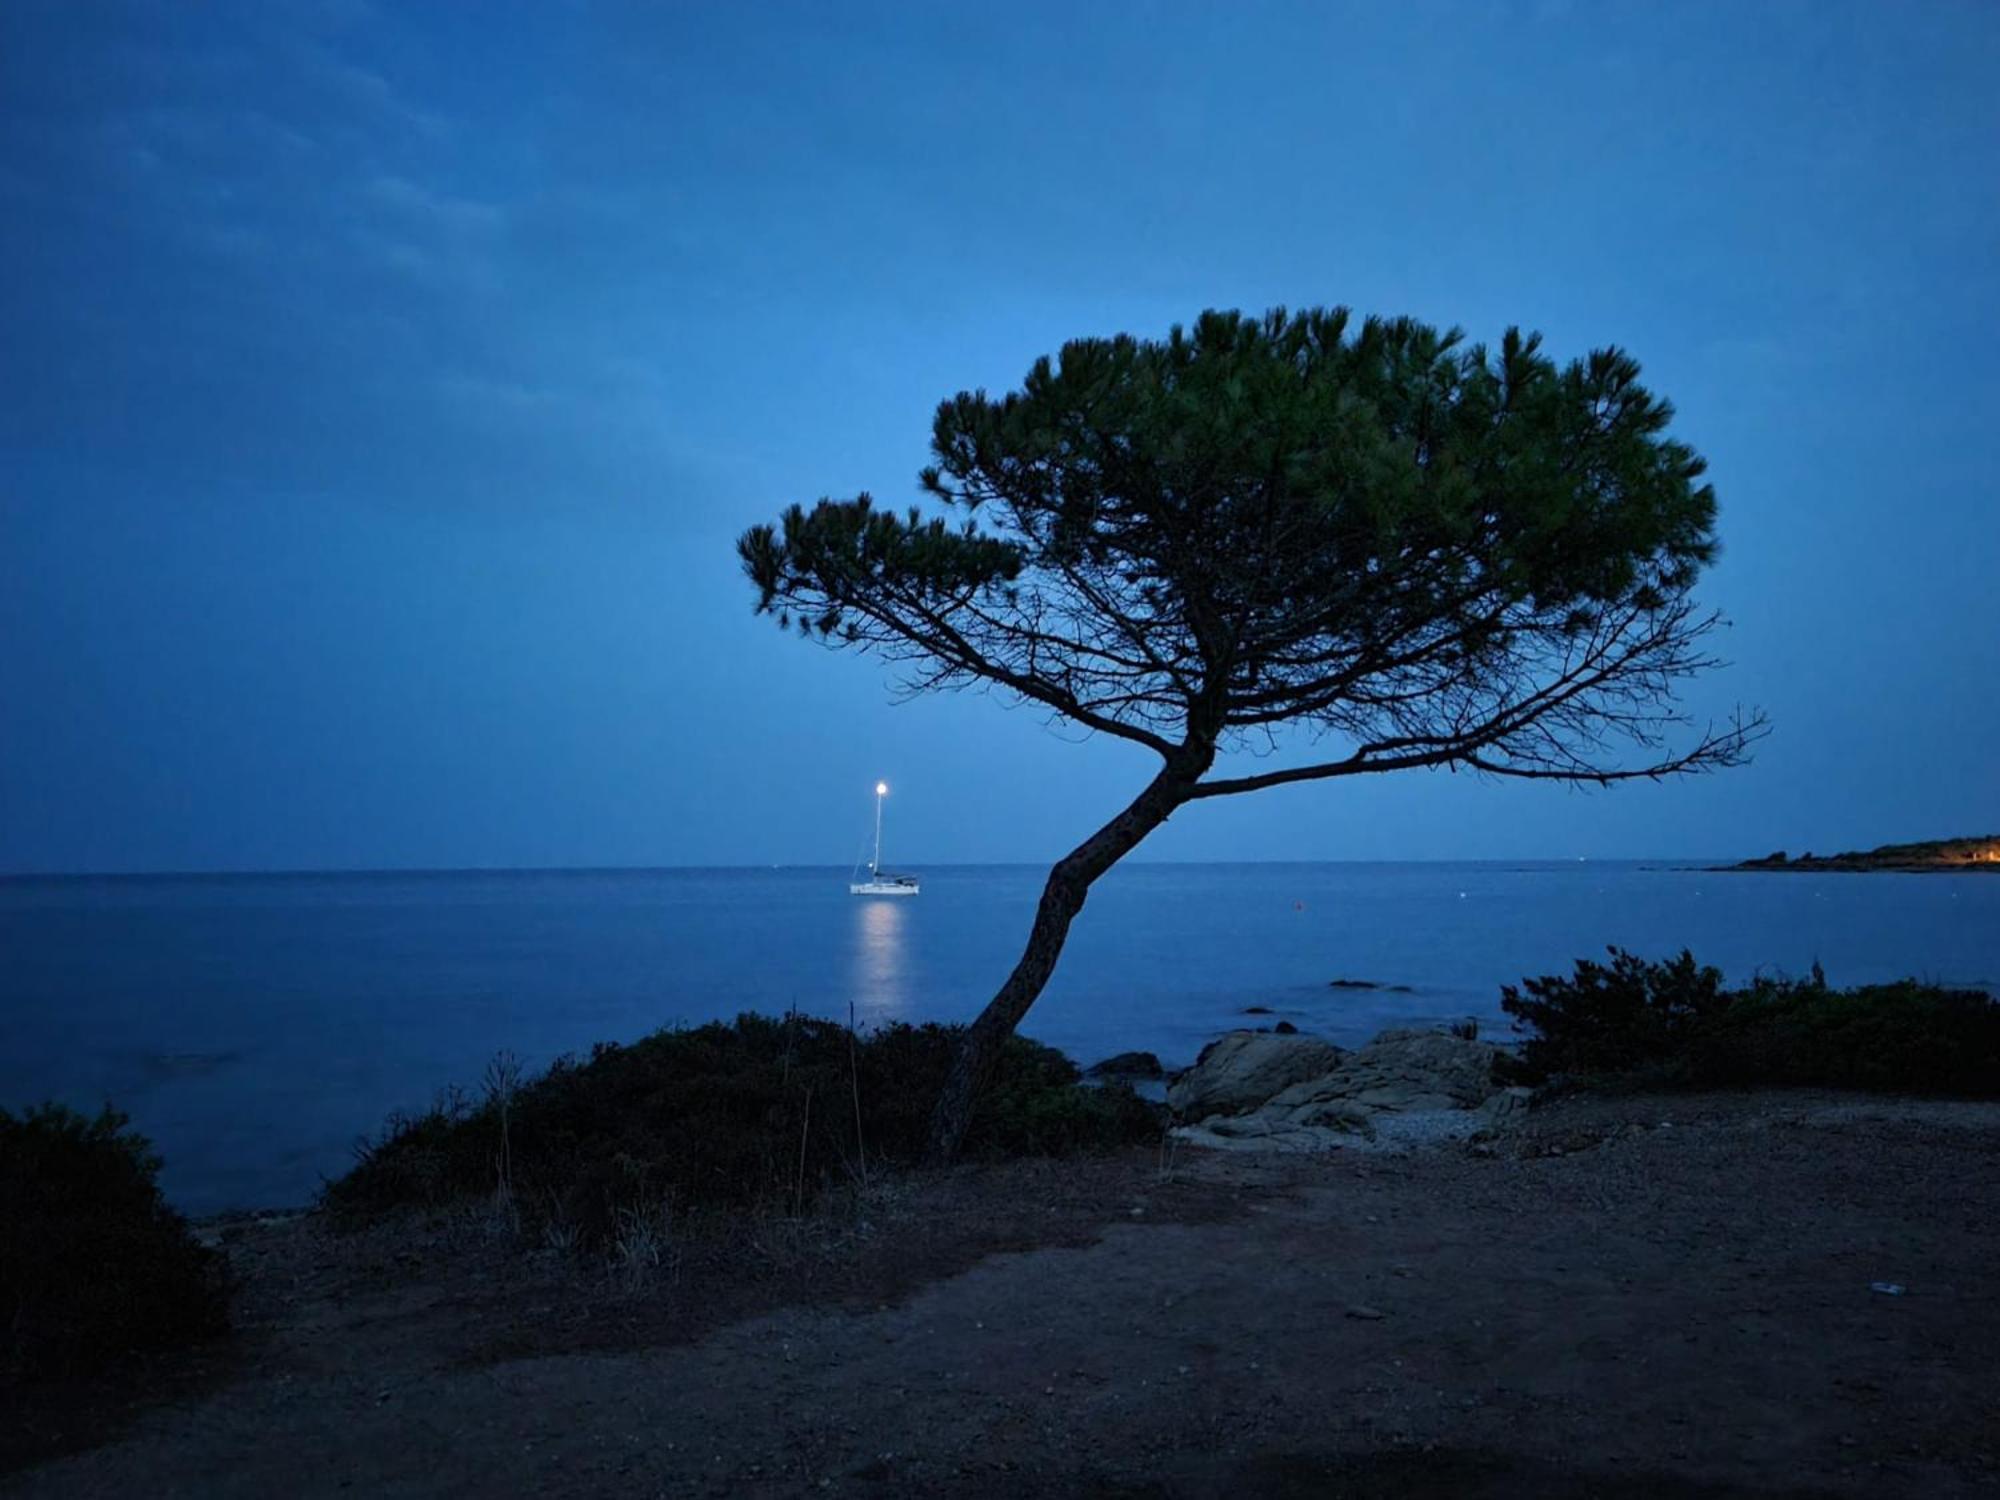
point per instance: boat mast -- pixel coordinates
(881, 791)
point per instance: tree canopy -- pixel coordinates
(1438, 552)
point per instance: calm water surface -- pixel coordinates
(255, 1026)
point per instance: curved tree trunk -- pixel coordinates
(1062, 898)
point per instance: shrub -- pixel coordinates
(1899, 1038)
(1616, 1018)
(93, 1263)
(759, 1113)
(1672, 1024)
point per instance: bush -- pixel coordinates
(1623, 1017)
(1672, 1024)
(93, 1263)
(759, 1113)
(1895, 1038)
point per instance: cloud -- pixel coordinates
(454, 245)
(441, 212)
(394, 255)
(260, 141)
(505, 398)
(265, 265)
(366, 93)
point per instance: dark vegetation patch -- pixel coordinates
(94, 1266)
(761, 1114)
(1128, 1065)
(1673, 1025)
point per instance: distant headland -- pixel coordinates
(1938, 854)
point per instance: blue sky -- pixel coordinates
(381, 390)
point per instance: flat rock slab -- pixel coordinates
(1389, 1134)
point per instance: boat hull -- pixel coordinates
(882, 888)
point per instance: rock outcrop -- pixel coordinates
(1402, 1089)
(1240, 1070)
(1402, 1070)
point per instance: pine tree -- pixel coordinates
(1424, 552)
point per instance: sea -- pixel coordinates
(255, 1027)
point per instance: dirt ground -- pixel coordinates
(1644, 1296)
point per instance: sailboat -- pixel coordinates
(879, 883)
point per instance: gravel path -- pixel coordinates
(1647, 1296)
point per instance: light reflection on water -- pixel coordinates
(881, 959)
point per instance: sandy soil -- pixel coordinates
(1611, 1305)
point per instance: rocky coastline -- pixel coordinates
(1951, 856)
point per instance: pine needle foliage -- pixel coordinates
(1439, 552)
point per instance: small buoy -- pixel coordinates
(1298, 906)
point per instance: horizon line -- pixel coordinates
(312, 872)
